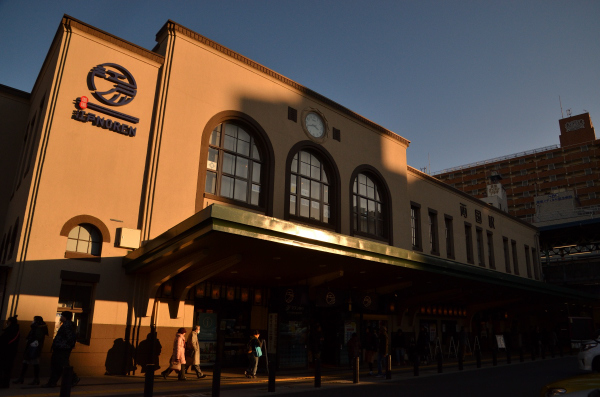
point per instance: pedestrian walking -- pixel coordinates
(177, 360)
(33, 349)
(254, 353)
(63, 343)
(193, 347)
(382, 350)
(9, 341)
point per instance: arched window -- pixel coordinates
(85, 239)
(310, 188)
(367, 206)
(234, 165)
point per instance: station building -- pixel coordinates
(147, 190)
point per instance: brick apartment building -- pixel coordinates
(570, 166)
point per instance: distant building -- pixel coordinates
(571, 166)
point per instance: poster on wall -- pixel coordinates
(500, 341)
(207, 338)
(349, 329)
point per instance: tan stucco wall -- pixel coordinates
(431, 195)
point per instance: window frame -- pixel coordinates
(415, 226)
(449, 236)
(490, 245)
(469, 243)
(220, 172)
(434, 240)
(385, 200)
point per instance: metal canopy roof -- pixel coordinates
(237, 247)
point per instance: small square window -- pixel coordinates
(552, 178)
(588, 171)
(473, 171)
(549, 155)
(525, 183)
(585, 160)
(521, 161)
(474, 182)
(592, 195)
(551, 166)
(584, 148)
(523, 172)
(589, 183)
(525, 194)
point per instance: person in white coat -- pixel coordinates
(193, 349)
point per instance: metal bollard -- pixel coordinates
(356, 370)
(388, 367)
(271, 387)
(460, 361)
(216, 380)
(508, 358)
(416, 366)
(317, 372)
(439, 363)
(67, 381)
(478, 358)
(149, 380)
(494, 357)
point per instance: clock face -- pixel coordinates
(314, 125)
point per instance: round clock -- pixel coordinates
(314, 125)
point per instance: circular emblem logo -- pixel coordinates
(330, 298)
(289, 295)
(367, 301)
(112, 84)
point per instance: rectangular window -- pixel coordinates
(588, 171)
(591, 195)
(525, 183)
(584, 148)
(449, 234)
(480, 253)
(473, 171)
(469, 242)
(585, 160)
(523, 172)
(526, 194)
(521, 161)
(549, 155)
(474, 182)
(589, 183)
(506, 255)
(478, 217)
(434, 245)
(513, 244)
(552, 178)
(551, 166)
(415, 226)
(490, 247)
(534, 257)
(450, 176)
(463, 210)
(528, 261)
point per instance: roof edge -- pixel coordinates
(70, 21)
(468, 196)
(255, 65)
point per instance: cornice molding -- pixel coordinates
(175, 27)
(72, 22)
(468, 196)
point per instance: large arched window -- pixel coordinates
(310, 188)
(234, 165)
(367, 206)
(85, 239)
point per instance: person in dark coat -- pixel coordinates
(382, 350)
(353, 349)
(33, 349)
(9, 341)
(63, 343)
(253, 343)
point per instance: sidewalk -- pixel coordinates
(234, 383)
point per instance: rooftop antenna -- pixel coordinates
(562, 116)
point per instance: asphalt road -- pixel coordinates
(514, 380)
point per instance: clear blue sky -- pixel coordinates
(464, 81)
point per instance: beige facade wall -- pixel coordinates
(431, 195)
